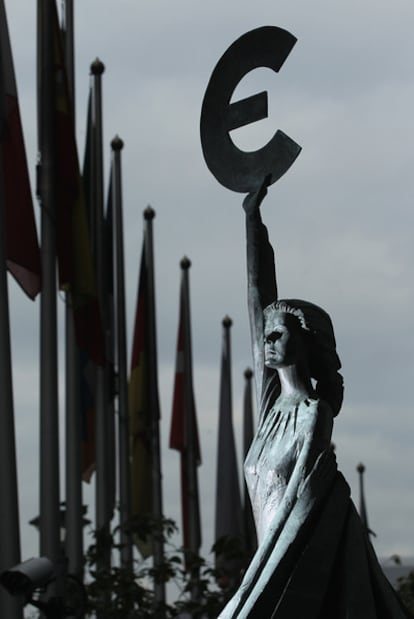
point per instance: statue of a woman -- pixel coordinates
(314, 558)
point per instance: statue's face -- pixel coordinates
(283, 343)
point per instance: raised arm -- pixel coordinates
(261, 277)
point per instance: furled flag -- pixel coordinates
(109, 317)
(229, 528)
(140, 413)
(184, 431)
(76, 270)
(23, 255)
(144, 413)
(86, 370)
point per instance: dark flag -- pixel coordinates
(229, 527)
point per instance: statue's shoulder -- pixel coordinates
(319, 414)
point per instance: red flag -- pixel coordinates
(23, 255)
(184, 432)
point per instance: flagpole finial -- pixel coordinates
(248, 373)
(97, 67)
(227, 322)
(185, 263)
(361, 468)
(117, 144)
(149, 213)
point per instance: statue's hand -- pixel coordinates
(253, 200)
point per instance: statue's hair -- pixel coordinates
(284, 307)
(324, 363)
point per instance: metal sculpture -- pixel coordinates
(314, 557)
(236, 169)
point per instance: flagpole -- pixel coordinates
(228, 502)
(49, 425)
(15, 205)
(123, 415)
(102, 438)
(9, 511)
(191, 434)
(73, 437)
(103, 468)
(158, 544)
(189, 417)
(362, 504)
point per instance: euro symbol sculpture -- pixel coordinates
(239, 170)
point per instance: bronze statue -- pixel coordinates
(314, 557)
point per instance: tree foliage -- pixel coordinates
(405, 590)
(120, 593)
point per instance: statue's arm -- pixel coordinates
(261, 277)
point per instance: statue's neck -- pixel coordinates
(295, 385)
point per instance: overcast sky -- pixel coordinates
(341, 219)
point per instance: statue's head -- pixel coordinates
(299, 332)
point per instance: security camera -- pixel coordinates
(28, 576)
